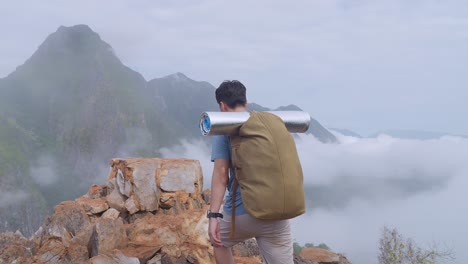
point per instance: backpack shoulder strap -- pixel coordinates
(233, 213)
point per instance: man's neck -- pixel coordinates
(240, 109)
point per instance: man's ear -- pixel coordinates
(222, 106)
(246, 104)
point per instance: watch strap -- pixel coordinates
(214, 215)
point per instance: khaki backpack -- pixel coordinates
(267, 169)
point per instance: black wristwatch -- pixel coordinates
(209, 214)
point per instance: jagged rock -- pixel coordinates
(54, 250)
(176, 203)
(108, 235)
(167, 200)
(125, 186)
(322, 256)
(301, 260)
(132, 205)
(114, 198)
(155, 260)
(178, 236)
(111, 213)
(97, 191)
(68, 219)
(181, 175)
(141, 173)
(14, 246)
(93, 206)
(115, 257)
(206, 196)
(143, 253)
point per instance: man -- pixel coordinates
(273, 236)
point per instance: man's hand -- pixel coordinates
(214, 233)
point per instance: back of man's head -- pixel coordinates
(232, 93)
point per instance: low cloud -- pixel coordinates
(8, 198)
(377, 169)
(44, 171)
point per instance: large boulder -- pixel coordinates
(139, 184)
(180, 175)
(108, 235)
(137, 176)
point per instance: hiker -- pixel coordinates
(273, 237)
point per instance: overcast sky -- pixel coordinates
(361, 65)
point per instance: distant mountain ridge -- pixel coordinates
(346, 132)
(74, 102)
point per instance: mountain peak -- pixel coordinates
(75, 39)
(178, 76)
(80, 28)
(290, 107)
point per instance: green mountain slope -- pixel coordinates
(73, 106)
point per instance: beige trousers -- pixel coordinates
(273, 237)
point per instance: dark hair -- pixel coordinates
(231, 93)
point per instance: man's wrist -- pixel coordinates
(211, 214)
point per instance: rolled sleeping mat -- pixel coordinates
(227, 123)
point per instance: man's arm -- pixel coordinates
(219, 182)
(218, 188)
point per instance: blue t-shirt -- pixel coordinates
(221, 149)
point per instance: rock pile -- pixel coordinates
(150, 211)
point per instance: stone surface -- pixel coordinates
(97, 191)
(114, 257)
(322, 256)
(155, 260)
(206, 196)
(167, 200)
(14, 246)
(178, 236)
(108, 235)
(124, 185)
(141, 173)
(132, 205)
(93, 206)
(54, 250)
(181, 175)
(144, 253)
(111, 213)
(301, 260)
(68, 219)
(114, 198)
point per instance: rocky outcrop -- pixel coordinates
(150, 211)
(320, 256)
(138, 184)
